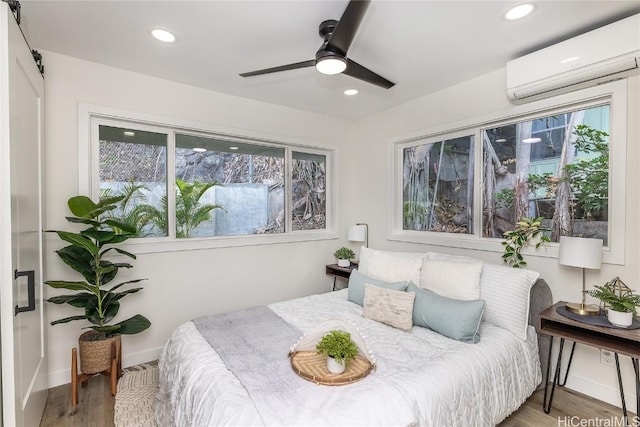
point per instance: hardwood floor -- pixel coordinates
(95, 406)
(95, 409)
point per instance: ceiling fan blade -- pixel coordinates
(303, 64)
(359, 72)
(347, 27)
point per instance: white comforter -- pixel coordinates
(422, 378)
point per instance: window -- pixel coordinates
(555, 167)
(560, 159)
(309, 191)
(437, 182)
(182, 185)
(226, 188)
(133, 164)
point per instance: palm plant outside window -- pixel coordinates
(222, 186)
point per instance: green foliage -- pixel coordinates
(189, 211)
(129, 212)
(518, 239)
(538, 182)
(344, 253)
(415, 213)
(505, 198)
(338, 344)
(624, 302)
(589, 178)
(86, 255)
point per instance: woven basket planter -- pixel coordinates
(95, 354)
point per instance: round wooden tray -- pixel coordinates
(313, 367)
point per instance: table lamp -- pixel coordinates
(584, 253)
(359, 233)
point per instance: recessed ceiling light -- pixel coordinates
(233, 148)
(128, 133)
(501, 140)
(163, 35)
(519, 11)
(531, 140)
(351, 92)
(199, 149)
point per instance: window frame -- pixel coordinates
(91, 116)
(441, 137)
(613, 93)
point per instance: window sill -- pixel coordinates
(471, 242)
(168, 244)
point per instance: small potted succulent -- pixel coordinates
(339, 349)
(344, 256)
(619, 300)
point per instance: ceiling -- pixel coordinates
(422, 46)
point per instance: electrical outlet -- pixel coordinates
(606, 357)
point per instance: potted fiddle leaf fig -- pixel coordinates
(87, 253)
(344, 255)
(339, 349)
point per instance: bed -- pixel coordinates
(421, 377)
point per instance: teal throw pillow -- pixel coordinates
(357, 281)
(456, 319)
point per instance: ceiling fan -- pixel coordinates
(331, 58)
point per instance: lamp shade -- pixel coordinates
(357, 233)
(580, 252)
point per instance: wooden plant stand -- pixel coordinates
(114, 372)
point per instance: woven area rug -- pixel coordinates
(137, 389)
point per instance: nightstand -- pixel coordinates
(617, 340)
(337, 271)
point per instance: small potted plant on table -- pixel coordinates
(344, 256)
(619, 300)
(339, 349)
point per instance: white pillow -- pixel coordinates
(506, 291)
(391, 266)
(438, 255)
(452, 278)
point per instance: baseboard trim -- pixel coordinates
(128, 359)
(600, 392)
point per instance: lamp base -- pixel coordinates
(583, 309)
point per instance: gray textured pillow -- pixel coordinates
(452, 318)
(393, 308)
(358, 280)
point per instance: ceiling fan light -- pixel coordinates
(331, 65)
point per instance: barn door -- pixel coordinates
(22, 316)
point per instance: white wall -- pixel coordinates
(365, 197)
(181, 285)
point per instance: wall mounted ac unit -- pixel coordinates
(608, 53)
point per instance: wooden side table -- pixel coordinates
(617, 340)
(337, 271)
